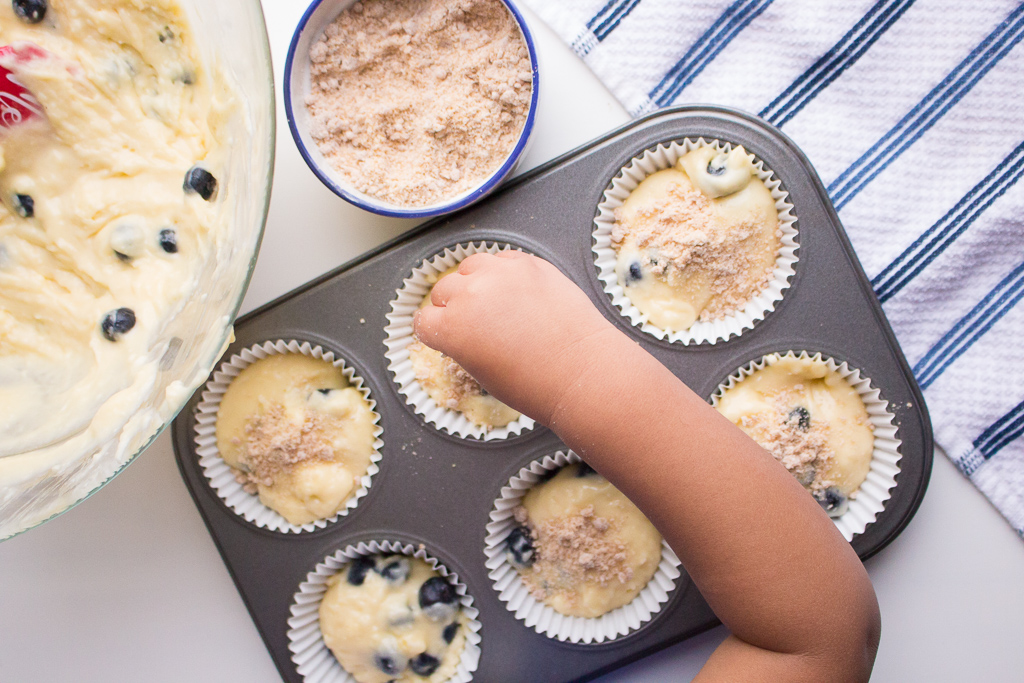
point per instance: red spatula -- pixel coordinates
(17, 104)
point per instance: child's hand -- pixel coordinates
(518, 325)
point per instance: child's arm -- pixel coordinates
(765, 556)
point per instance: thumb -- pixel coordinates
(430, 326)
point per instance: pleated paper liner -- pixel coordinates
(877, 488)
(222, 477)
(540, 617)
(400, 335)
(628, 179)
(315, 662)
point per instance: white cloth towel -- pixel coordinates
(912, 113)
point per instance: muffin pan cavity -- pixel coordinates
(439, 490)
(543, 619)
(399, 337)
(662, 157)
(222, 477)
(885, 456)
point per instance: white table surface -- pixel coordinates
(129, 586)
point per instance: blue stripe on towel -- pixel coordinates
(735, 18)
(1001, 432)
(603, 12)
(947, 229)
(608, 25)
(851, 47)
(971, 327)
(926, 113)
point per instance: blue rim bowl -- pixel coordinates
(316, 18)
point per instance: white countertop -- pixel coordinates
(129, 586)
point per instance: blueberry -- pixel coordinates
(388, 662)
(424, 664)
(325, 392)
(24, 205)
(449, 632)
(806, 475)
(716, 166)
(396, 572)
(358, 570)
(437, 598)
(520, 547)
(201, 182)
(169, 240)
(834, 502)
(126, 241)
(634, 271)
(166, 34)
(30, 11)
(548, 475)
(802, 417)
(117, 323)
(585, 470)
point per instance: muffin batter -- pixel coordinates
(297, 434)
(392, 618)
(697, 241)
(811, 420)
(582, 547)
(452, 387)
(108, 212)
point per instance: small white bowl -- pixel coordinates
(297, 85)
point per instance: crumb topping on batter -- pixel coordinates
(580, 546)
(811, 420)
(574, 549)
(457, 384)
(275, 442)
(683, 235)
(800, 445)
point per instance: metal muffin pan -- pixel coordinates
(438, 490)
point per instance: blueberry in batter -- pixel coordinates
(118, 323)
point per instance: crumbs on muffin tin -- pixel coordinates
(417, 101)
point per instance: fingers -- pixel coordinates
(471, 264)
(429, 326)
(445, 288)
(511, 254)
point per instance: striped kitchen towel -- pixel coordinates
(912, 111)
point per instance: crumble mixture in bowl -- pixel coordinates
(411, 107)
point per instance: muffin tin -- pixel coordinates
(437, 489)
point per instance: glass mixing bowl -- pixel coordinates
(233, 35)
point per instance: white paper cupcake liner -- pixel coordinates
(222, 477)
(877, 488)
(539, 616)
(315, 663)
(711, 332)
(400, 335)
